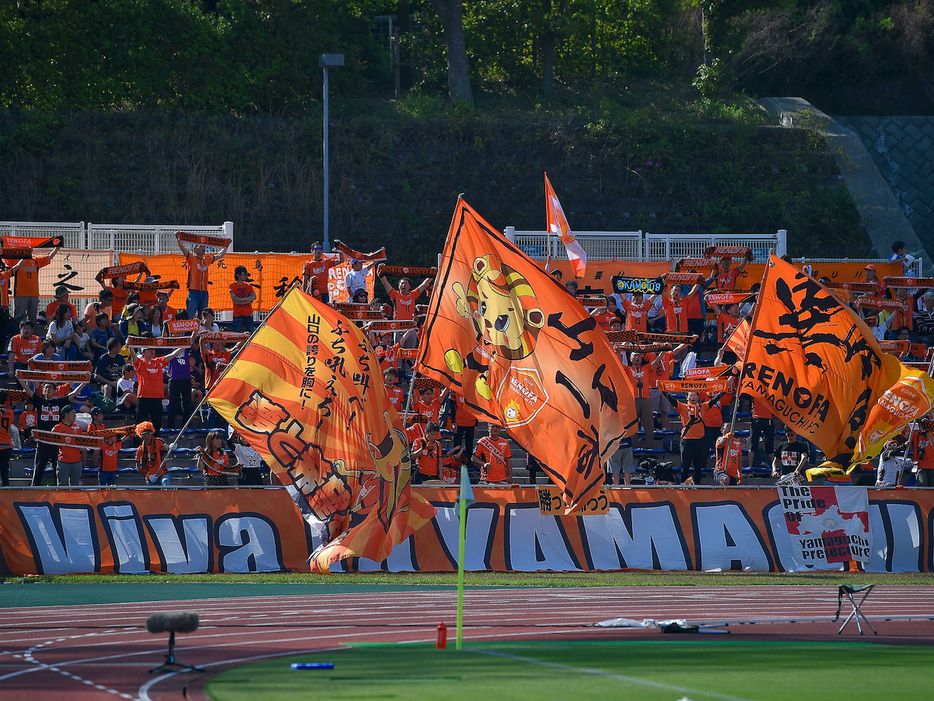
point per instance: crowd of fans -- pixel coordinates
(151, 392)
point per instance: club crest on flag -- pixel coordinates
(522, 396)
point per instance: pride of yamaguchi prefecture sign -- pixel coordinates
(827, 525)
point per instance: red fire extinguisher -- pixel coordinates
(442, 636)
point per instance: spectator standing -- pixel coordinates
(694, 445)
(180, 387)
(726, 278)
(70, 458)
(242, 295)
(109, 368)
(494, 457)
(318, 269)
(199, 264)
(426, 452)
(922, 450)
(729, 467)
(5, 276)
(924, 320)
(248, 460)
(169, 313)
(676, 308)
(465, 427)
(150, 457)
(25, 345)
(213, 461)
(26, 286)
(642, 376)
(355, 280)
(49, 409)
(396, 396)
(107, 462)
(6, 445)
(149, 369)
(761, 427)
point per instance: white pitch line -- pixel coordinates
(612, 675)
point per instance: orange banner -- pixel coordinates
(837, 272)
(271, 275)
(823, 373)
(526, 356)
(138, 531)
(308, 395)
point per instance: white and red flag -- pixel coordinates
(558, 224)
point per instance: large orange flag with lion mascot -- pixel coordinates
(526, 356)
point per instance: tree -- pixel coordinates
(451, 14)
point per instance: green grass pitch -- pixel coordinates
(663, 671)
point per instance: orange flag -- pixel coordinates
(823, 373)
(307, 393)
(737, 342)
(526, 356)
(558, 224)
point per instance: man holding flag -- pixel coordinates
(820, 369)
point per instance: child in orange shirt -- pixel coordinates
(107, 468)
(28, 420)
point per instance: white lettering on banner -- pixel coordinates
(534, 541)
(248, 543)
(182, 542)
(63, 538)
(903, 526)
(781, 544)
(481, 520)
(725, 539)
(827, 524)
(125, 533)
(645, 537)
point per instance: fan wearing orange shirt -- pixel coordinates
(761, 426)
(242, 295)
(428, 406)
(494, 458)
(199, 264)
(107, 469)
(637, 308)
(605, 315)
(70, 459)
(465, 426)
(676, 308)
(642, 376)
(694, 447)
(26, 286)
(317, 269)
(727, 321)
(729, 469)
(403, 302)
(5, 276)
(426, 451)
(663, 364)
(150, 457)
(726, 278)
(151, 391)
(396, 395)
(23, 346)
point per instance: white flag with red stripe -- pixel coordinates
(558, 224)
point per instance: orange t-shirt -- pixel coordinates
(729, 457)
(318, 269)
(429, 462)
(760, 410)
(604, 319)
(921, 443)
(642, 380)
(242, 289)
(110, 454)
(5, 277)
(24, 349)
(149, 377)
(169, 314)
(663, 369)
(119, 302)
(431, 409)
(28, 419)
(725, 325)
(198, 272)
(149, 458)
(53, 307)
(215, 364)
(637, 318)
(676, 315)
(405, 305)
(396, 398)
(219, 456)
(6, 420)
(726, 281)
(691, 414)
(27, 277)
(496, 453)
(67, 453)
(388, 358)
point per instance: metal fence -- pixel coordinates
(638, 245)
(125, 238)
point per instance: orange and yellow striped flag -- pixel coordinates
(307, 393)
(526, 356)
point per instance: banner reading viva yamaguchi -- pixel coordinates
(525, 355)
(823, 373)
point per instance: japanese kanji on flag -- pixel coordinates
(307, 393)
(526, 356)
(827, 525)
(558, 224)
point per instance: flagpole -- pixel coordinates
(197, 409)
(465, 498)
(752, 326)
(911, 433)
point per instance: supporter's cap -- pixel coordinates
(870, 267)
(151, 279)
(162, 293)
(61, 291)
(68, 409)
(96, 411)
(722, 258)
(132, 309)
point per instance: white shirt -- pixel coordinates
(246, 455)
(355, 280)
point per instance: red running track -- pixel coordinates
(103, 651)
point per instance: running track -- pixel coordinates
(104, 652)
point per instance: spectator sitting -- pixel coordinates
(126, 389)
(156, 322)
(109, 369)
(104, 304)
(207, 320)
(62, 333)
(162, 301)
(101, 335)
(61, 299)
(132, 324)
(82, 342)
(46, 352)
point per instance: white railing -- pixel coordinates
(638, 245)
(915, 268)
(71, 232)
